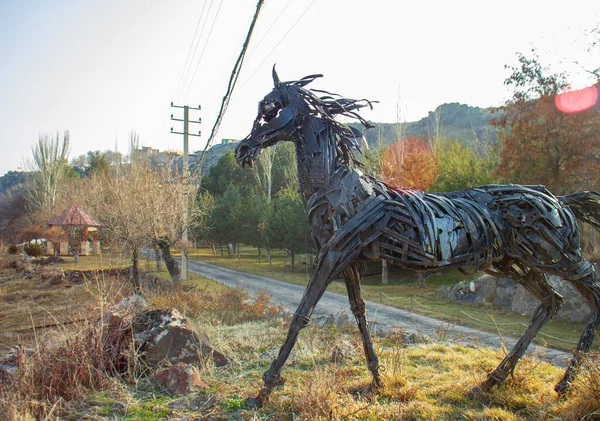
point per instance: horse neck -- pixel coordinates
(317, 156)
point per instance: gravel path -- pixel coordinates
(379, 315)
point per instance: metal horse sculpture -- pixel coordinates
(523, 232)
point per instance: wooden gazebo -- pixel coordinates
(79, 227)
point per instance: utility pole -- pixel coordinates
(186, 175)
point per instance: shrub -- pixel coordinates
(33, 249)
(13, 249)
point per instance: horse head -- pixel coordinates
(278, 113)
(283, 111)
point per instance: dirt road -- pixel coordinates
(379, 315)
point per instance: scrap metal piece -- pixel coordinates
(516, 231)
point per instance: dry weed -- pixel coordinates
(83, 354)
(226, 307)
(583, 403)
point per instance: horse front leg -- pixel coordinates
(352, 275)
(328, 265)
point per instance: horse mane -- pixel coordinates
(326, 107)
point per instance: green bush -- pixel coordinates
(33, 249)
(13, 249)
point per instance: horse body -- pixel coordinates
(516, 231)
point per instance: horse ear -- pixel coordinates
(276, 80)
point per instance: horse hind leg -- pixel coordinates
(550, 302)
(589, 288)
(352, 275)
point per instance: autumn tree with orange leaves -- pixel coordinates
(409, 163)
(541, 144)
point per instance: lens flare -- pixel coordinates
(571, 102)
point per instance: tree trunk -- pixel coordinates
(259, 255)
(421, 280)
(221, 247)
(213, 249)
(384, 271)
(269, 254)
(292, 254)
(135, 269)
(157, 256)
(170, 263)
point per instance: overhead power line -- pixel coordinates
(185, 69)
(280, 41)
(255, 47)
(203, 49)
(232, 81)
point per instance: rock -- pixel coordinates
(506, 293)
(485, 289)
(575, 308)
(180, 379)
(165, 334)
(524, 303)
(342, 351)
(134, 304)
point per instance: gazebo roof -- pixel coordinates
(74, 215)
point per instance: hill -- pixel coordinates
(11, 179)
(212, 156)
(469, 125)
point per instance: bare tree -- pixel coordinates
(49, 169)
(263, 174)
(142, 208)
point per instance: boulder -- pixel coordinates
(506, 293)
(165, 335)
(574, 308)
(180, 379)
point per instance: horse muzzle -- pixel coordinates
(245, 155)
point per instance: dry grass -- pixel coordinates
(229, 307)
(584, 400)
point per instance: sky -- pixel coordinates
(104, 68)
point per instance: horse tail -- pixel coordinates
(585, 205)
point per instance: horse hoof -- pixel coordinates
(476, 391)
(366, 391)
(253, 403)
(561, 388)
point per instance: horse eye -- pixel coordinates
(269, 110)
(268, 107)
